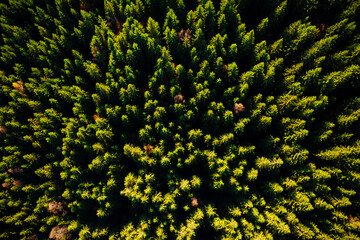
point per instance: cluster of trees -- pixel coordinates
(130, 119)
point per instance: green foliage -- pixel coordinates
(179, 119)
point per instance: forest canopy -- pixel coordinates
(188, 119)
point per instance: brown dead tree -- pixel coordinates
(238, 107)
(60, 233)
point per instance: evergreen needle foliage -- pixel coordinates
(160, 119)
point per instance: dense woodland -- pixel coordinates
(188, 119)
